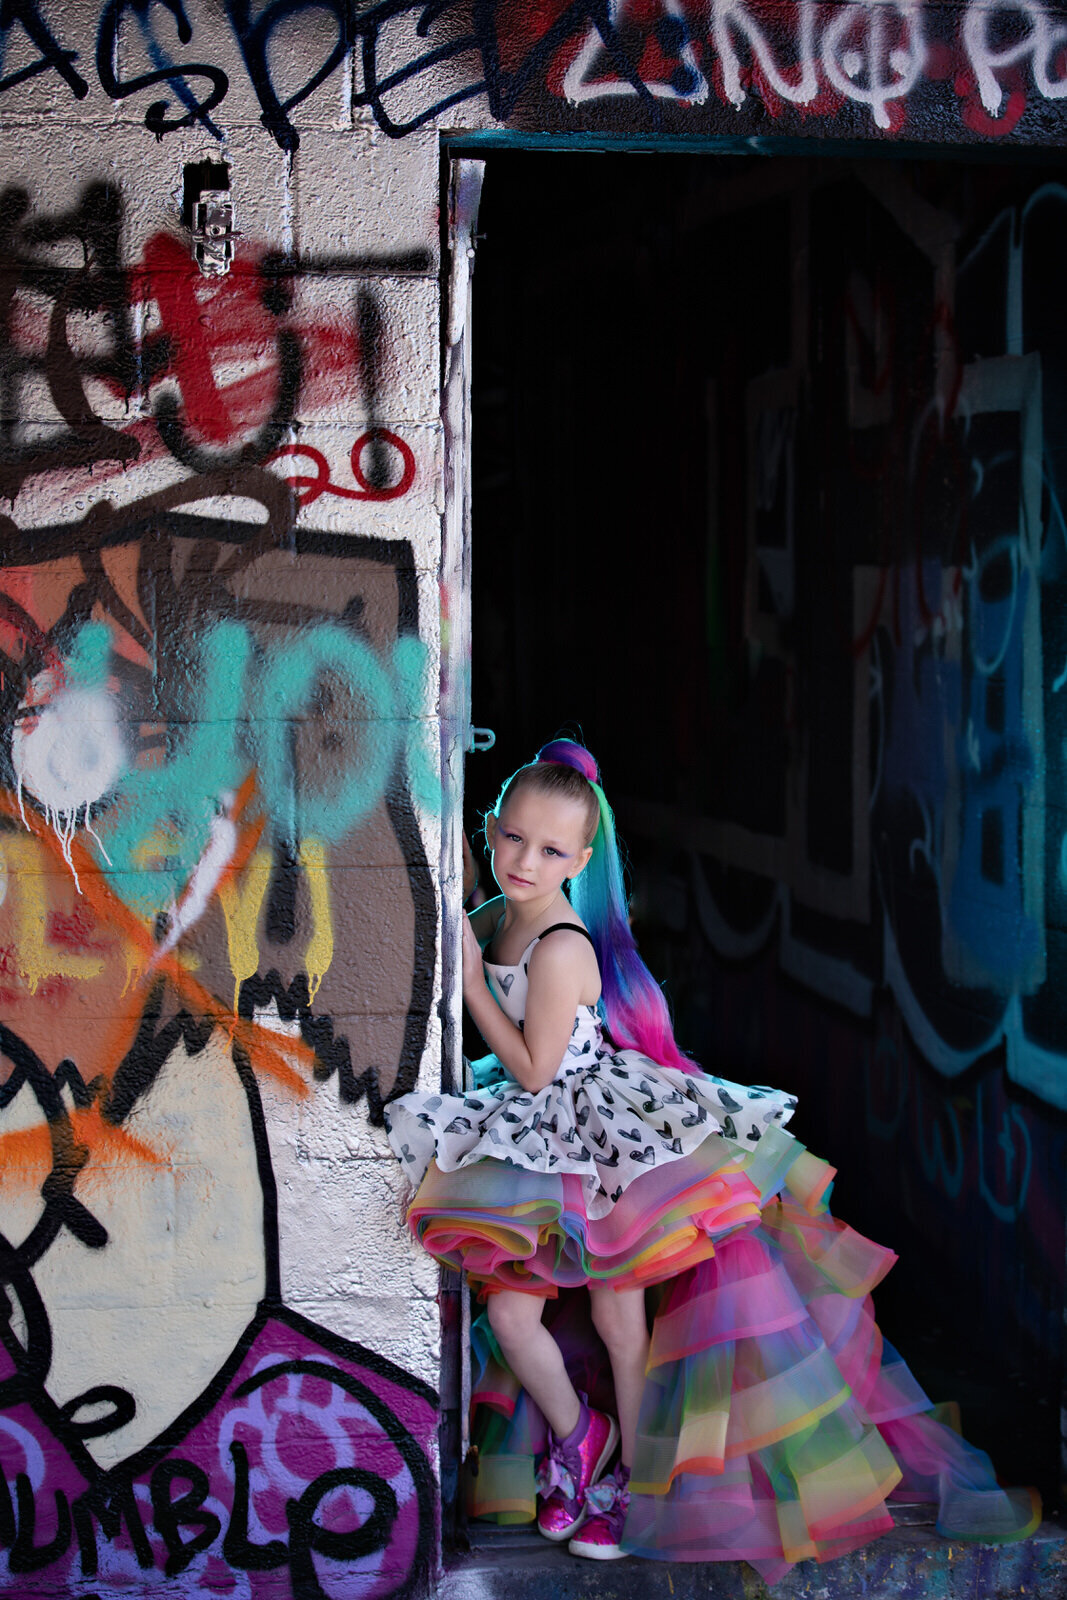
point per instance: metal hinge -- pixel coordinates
(213, 232)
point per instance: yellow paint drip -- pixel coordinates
(135, 965)
(320, 949)
(241, 905)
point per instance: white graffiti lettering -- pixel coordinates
(874, 54)
(1041, 44)
(730, 17)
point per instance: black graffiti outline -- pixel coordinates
(305, 1585)
(98, 286)
(471, 28)
(157, 516)
(24, 1556)
(103, 285)
(180, 1552)
(155, 118)
(361, 28)
(61, 1210)
(53, 58)
(124, 1409)
(32, 1361)
(108, 1499)
(152, 1046)
(266, 439)
(103, 528)
(107, 523)
(254, 41)
(111, 1509)
(357, 28)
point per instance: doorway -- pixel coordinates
(767, 456)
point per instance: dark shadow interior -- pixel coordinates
(759, 445)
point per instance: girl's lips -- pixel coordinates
(523, 882)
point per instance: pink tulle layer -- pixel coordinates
(513, 1229)
(776, 1422)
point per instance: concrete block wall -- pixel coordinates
(221, 807)
(220, 925)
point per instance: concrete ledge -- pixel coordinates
(911, 1563)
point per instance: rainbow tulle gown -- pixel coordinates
(776, 1421)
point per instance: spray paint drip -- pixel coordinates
(68, 753)
(207, 874)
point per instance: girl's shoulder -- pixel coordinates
(563, 942)
(564, 957)
(562, 930)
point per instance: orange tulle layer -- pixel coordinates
(514, 1229)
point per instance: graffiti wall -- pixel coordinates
(984, 69)
(860, 696)
(923, 807)
(233, 679)
(826, 683)
(220, 814)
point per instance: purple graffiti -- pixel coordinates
(312, 1456)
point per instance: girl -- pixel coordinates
(764, 1417)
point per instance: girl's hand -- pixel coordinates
(473, 971)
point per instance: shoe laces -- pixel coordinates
(559, 1469)
(606, 1495)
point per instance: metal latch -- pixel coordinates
(213, 232)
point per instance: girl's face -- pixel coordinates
(538, 841)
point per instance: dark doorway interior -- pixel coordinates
(767, 471)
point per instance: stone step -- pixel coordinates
(911, 1563)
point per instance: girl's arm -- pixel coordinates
(557, 976)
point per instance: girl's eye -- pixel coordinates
(514, 837)
(549, 851)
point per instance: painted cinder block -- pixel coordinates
(70, 94)
(406, 71)
(233, 479)
(409, 511)
(371, 340)
(363, 194)
(296, 47)
(260, 184)
(356, 1241)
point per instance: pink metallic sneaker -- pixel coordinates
(606, 1504)
(571, 1466)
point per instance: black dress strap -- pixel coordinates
(572, 926)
